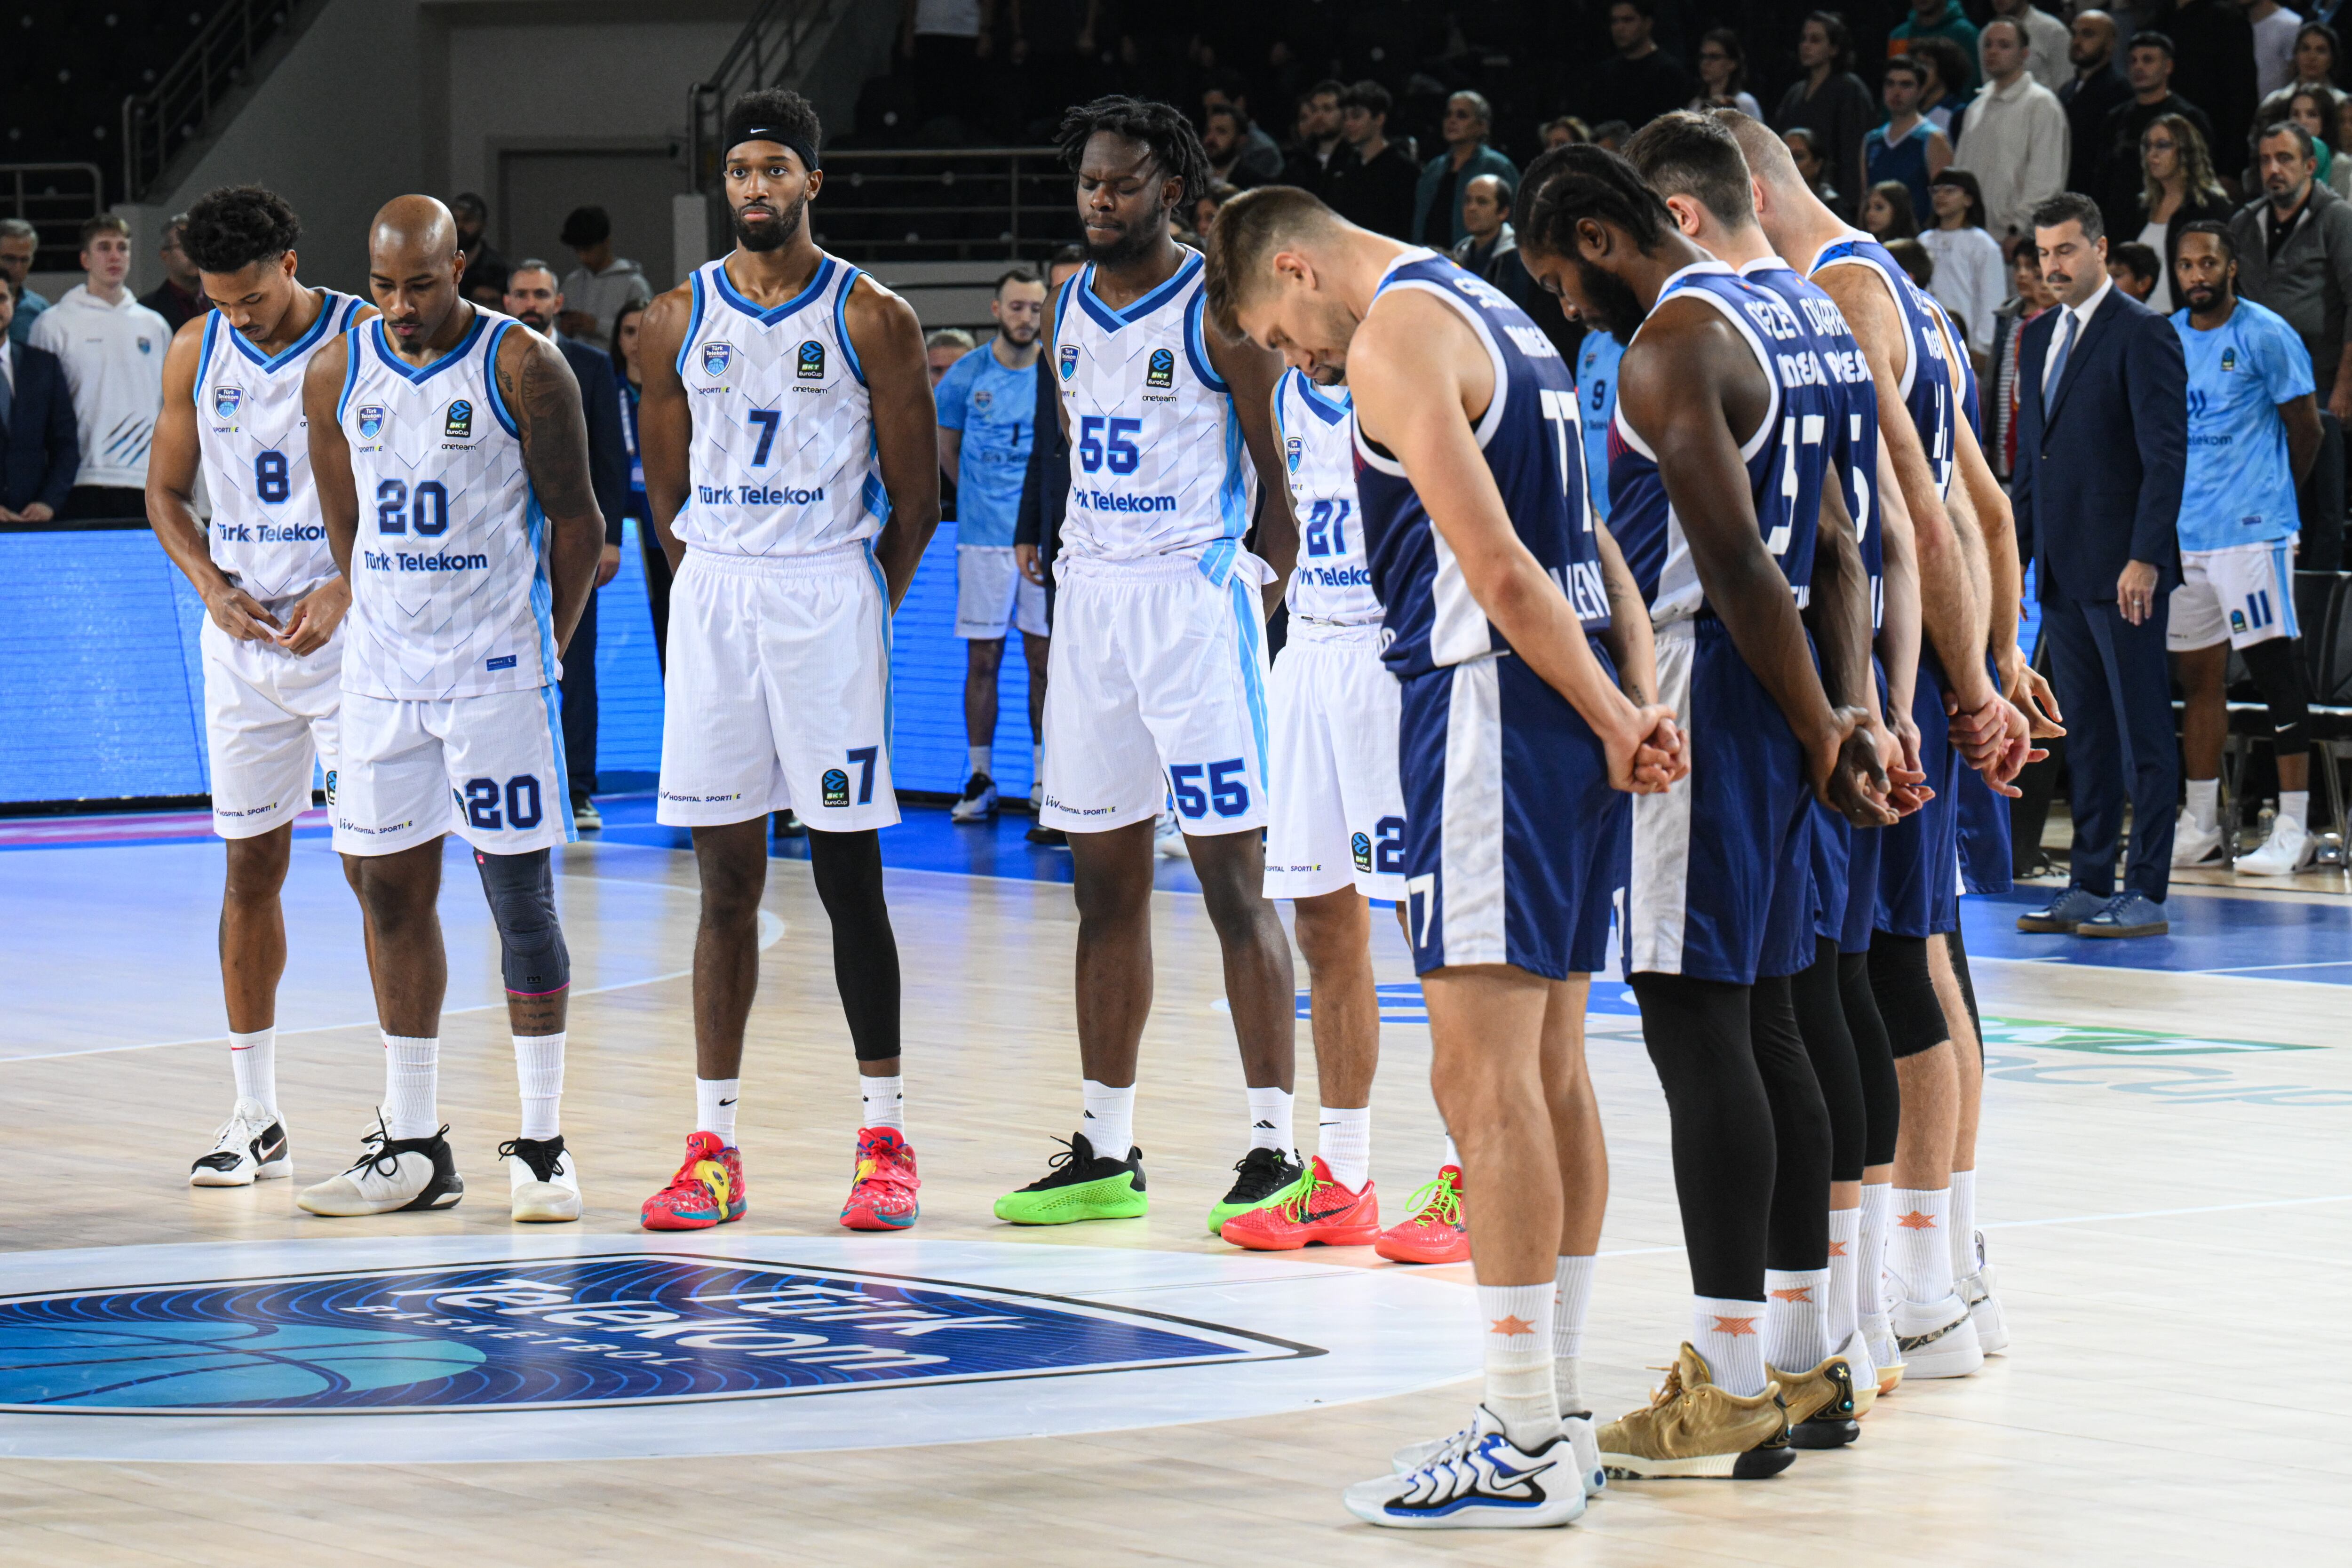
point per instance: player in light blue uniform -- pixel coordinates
(987, 421)
(1596, 390)
(2254, 430)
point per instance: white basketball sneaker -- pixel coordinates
(2290, 849)
(1167, 837)
(1577, 1429)
(543, 1178)
(1976, 1289)
(1936, 1339)
(2193, 845)
(978, 802)
(250, 1146)
(1477, 1480)
(392, 1174)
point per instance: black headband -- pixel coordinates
(781, 139)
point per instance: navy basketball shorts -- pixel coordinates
(1722, 873)
(1919, 860)
(1986, 866)
(1845, 869)
(1515, 843)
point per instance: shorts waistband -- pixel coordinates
(818, 563)
(1335, 634)
(1219, 564)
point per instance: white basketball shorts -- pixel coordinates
(267, 716)
(2241, 595)
(1338, 813)
(992, 598)
(1156, 691)
(779, 691)
(487, 768)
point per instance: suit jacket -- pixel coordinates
(2098, 476)
(608, 445)
(40, 444)
(1045, 487)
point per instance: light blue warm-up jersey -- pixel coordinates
(2240, 489)
(996, 409)
(1596, 389)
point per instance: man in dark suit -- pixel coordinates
(533, 299)
(1045, 487)
(2101, 449)
(40, 450)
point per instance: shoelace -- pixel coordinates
(890, 1168)
(221, 1139)
(377, 1154)
(541, 1160)
(1438, 1199)
(1669, 1391)
(1296, 1208)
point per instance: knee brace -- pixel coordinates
(521, 893)
(2276, 664)
(1906, 994)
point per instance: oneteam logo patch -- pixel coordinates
(1161, 369)
(1069, 361)
(370, 422)
(715, 358)
(226, 400)
(459, 423)
(568, 1333)
(812, 361)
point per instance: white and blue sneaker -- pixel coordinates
(1477, 1480)
(1576, 1428)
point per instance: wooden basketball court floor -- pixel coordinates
(2164, 1186)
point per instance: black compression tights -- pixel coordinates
(848, 869)
(1829, 1043)
(1798, 1236)
(1959, 957)
(1906, 993)
(1882, 1092)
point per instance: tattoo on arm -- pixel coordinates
(553, 430)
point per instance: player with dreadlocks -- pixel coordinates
(1157, 684)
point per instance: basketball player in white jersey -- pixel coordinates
(793, 466)
(451, 458)
(1159, 668)
(274, 607)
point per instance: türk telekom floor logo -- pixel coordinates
(633, 1328)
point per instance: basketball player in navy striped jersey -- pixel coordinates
(793, 466)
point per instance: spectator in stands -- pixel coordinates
(111, 348)
(533, 299)
(2030, 296)
(1564, 131)
(1374, 185)
(1319, 140)
(1259, 161)
(1613, 134)
(1913, 258)
(1887, 213)
(2045, 43)
(1233, 159)
(631, 386)
(2133, 268)
(1045, 485)
(1437, 203)
(1970, 278)
(2147, 66)
(1906, 149)
(180, 297)
(943, 43)
(19, 242)
(2098, 90)
(1830, 103)
(2276, 28)
(943, 347)
(1938, 19)
(1722, 75)
(39, 450)
(2295, 257)
(1487, 220)
(2315, 109)
(2177, 187)
(1811, 163)
(2214, 64)
(484, 282)
(594, 290)
(2316, 52)
(1639, 81)
(1205, 205)
(1941, 64)
(2013, 140)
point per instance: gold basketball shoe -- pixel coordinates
(1693, 1427)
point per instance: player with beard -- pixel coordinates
(793, 468)
(987, 421)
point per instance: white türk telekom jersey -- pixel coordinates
(783, 460)
(265, 532)
(1316, 425)
(1157, 465)
(449, 591)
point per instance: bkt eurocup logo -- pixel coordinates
(561, 1333)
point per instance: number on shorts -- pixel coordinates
(1388, 846)
(1229, 786)
(523, 810)
(768, 420)
(862, 757)
(269, 481)
(520, 797)
(1184, 784)
(482, 806)
(1421, 905)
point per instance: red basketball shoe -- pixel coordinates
(1436, 1233)
(1320, 1209)
(882, 1193)
(708, 1189)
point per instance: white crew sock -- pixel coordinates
(2205, 802)
(1796, 1319)
(2294, 804)
(884, 1101)
(538, 1073)
(1725, 1333)
(1453, 1155)
(714, 1106)
(1571, 1293)
(1109, 1123)
(1269, 1114)
(984, 758)
(1845, 1301)
(412, 1070)
(254, 1059)
(1919, 1246)
(1870, 1288)
(1344, 1140)
(1515, 1329)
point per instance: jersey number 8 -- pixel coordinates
(430, 514)
(269, 480)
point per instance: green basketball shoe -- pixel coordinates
(1082, 1184)
(1262, 1178)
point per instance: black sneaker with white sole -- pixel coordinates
(394, 1175)
(978, 802)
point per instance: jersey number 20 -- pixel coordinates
(394, 513)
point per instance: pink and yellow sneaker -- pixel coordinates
(1320, 1209)
(882, 1193)
(707, 1190)
(1434, 1233)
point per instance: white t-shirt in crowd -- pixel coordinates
(2274, 51)
(2160, 301)
(1970, 280)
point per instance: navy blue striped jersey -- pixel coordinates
(1789, 455)
(1533, 444)
(1930, 384)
